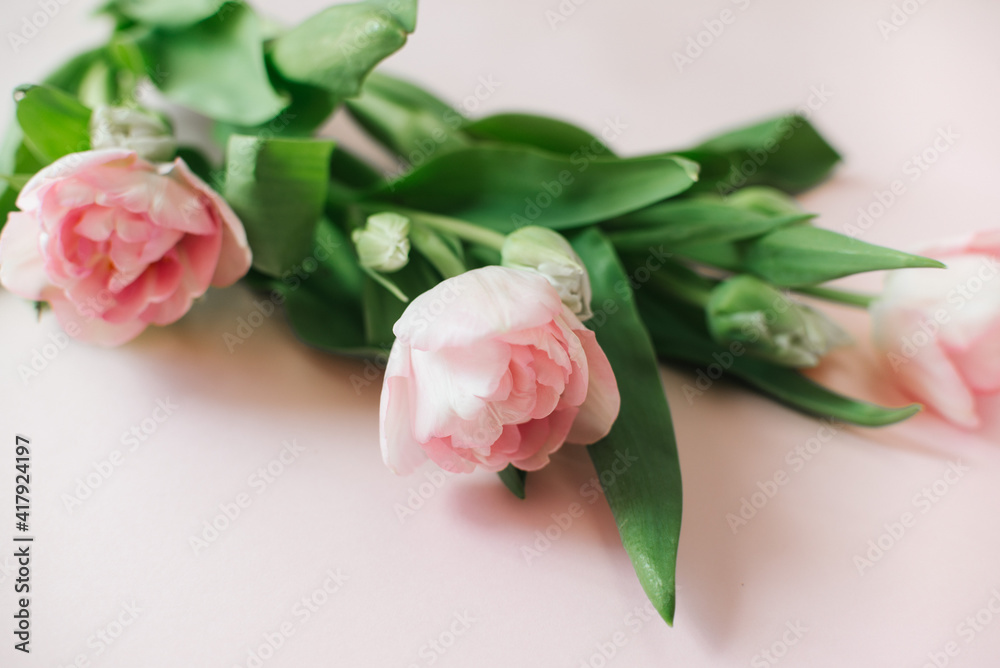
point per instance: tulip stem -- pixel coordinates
(839, 296)
(470, 232)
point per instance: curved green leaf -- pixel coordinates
(337, 48)
(547, 134)
(216, 67)
(505, 187)
(54, 123)
(637, 462)
(278, 188)
(797, 256)
(168, 13)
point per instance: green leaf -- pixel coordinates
(168, 13)
(322, 294)
(513, 478)
(54, 123)
(337, 48)
(696, 220)
(786, 152)
(216, 67)
(278, 188)
(804, 255)
(637, 462)
(406, 119)
(547, 134)
(506, 187)
(680, 335)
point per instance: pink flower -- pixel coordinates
(114, 243)
(939, 329)
(489, 368)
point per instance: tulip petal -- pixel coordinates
(400, 451)
(22, 268)
(477, 305)
(600, 408)
(932, 378)
(93, 329)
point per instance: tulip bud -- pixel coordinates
(383, 244)
(140, 131)
(548, 253)
(773, 327)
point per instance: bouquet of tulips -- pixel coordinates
(517, 280)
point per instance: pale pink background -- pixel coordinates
(333, 508)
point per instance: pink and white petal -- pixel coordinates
(540, 438)
(441, 453)
(65, 167)
(22, 268)
(93, 329)
(600, 409)
(932, 378)
(401, 452)
(235, 258)
(479, 304)
(979, 361)
(96, 223)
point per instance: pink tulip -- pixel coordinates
(939, 329)
(489, 368)
(114, 243)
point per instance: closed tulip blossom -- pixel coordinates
(938, 330)
(114, 243)
(489, 368)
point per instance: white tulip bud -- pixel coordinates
(383, 244)
(133, 129)
(547, 252)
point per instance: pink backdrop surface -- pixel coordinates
(320, 560)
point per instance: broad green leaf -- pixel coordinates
(506, 187)
(322, 294)
(513, 478)
(216, 67)
(786, 152)
(54, 123)
(695, 220)
(805, 255)
(548, 134)
(168, 13)
(637, 462)
(406, 119)
(680, 335)
(278, 188)
(337, 48)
